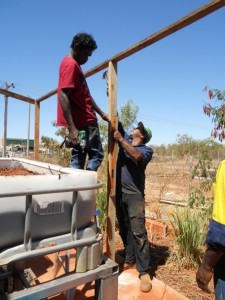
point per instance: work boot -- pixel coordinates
(146, 283)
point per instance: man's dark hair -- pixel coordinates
(85, 41)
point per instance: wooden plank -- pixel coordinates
(180, 24)
(36, 130)
(16, 96)
(46, 96)
(196, 15)
(112, 156)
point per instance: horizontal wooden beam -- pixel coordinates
(16, 96)
(48, 95)
(196, 15)
(181, 23)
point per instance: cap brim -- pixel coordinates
(144, 131)
(141, 127)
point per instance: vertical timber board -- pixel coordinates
(36, 129)
(112, 156)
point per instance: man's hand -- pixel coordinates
(205, 270)
(118, 136)
(105, 117)
(73, 136)
(203, 277)
(99, 111)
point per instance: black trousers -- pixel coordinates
(130, 209)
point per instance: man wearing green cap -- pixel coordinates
(133, 158)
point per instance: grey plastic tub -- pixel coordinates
(51, 194)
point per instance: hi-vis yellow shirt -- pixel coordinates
(219, 195)
(216, 232)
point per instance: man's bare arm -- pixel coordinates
(131, 150)
(205, 271)
(99, 111)
(66, 108)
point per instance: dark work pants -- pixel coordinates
(93, 149)
(131, 217)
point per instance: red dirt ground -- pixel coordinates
(164, 268)
(15, 171)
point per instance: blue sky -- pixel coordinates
(165, 80)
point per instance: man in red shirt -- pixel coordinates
(76, 108)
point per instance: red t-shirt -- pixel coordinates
(71, 76)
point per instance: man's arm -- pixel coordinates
(66, 108)
(215, 237)
(131, 151)
(99, 111)
(205, 271)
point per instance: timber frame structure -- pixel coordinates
(111, 64)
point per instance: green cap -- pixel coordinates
(147, 133)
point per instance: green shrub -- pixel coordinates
(190, 232)
(201, 195)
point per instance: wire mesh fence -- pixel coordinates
(170, 183)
